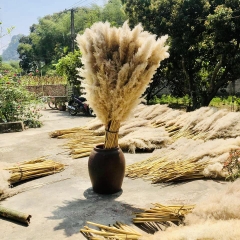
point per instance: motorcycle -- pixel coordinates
(77, 105)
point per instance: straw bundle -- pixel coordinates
(145, 138)
(215, 217)
(186, 159)
(205, 123)
(118, 62)
(160, 216)
(162, 171)
(118, 231)
(82, 146)
(58, 133)
(33, 169)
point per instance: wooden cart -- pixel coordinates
(55, 101)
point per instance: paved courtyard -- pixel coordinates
(60, 204)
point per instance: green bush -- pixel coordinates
(17, 104)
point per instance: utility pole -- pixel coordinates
(72, 30)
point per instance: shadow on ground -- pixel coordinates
(98, 208)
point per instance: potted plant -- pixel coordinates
(118, 66)
(61, 106)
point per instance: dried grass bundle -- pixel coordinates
(119, 231)
(33, 169)
(118, 66)
(82, 146)
(145, 138)
(94, 124)
(160, 216)
(58, 133)
(132, 125)
(185, 159)
(217, 217)
(166, 118)
(151, 111)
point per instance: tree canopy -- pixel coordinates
(204, 42)
(50, 39)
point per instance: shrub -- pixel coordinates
(17, 104)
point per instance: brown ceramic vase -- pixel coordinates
(106, 169)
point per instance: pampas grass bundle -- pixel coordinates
(145, 138)
(118, 66)
(186, 159)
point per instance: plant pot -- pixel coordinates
(106, 169)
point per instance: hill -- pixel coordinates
(10, 53)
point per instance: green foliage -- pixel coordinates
(17, 104)
(67, 66)
(169, 99)
(30, 80)
(113, 13)
(50, 39)
(232, 165)
(203, 38)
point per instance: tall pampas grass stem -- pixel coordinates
(118, 66)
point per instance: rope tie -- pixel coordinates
(111, 131)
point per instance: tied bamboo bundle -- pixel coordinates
(159, 216)
(119, 231)
(118, 66)
(161, 170)
(33, 169)
(82, 147)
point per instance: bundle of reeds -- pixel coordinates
(162, 171)
(118, 65)
(119, 231)
(82, 146)
(33, 169)
(63, 132)
(144, 138)
(161, 216)
(185, 159)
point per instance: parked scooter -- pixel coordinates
(77, 105)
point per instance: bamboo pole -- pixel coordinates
(15, 215)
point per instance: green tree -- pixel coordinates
(204, 42)
(113, 13)
(67, 66)
(50, 39)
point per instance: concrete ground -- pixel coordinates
(60, 204)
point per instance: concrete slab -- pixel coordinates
(66, 201)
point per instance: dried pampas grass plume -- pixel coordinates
(118, 66)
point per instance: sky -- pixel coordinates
(21, 14)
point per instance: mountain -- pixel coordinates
(10, 53)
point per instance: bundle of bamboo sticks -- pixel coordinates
(161, 170)
(82, 147)
(59, 133)
(159, 216)
(119, 231)
(33, 169)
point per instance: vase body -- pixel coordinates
(106, 169)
